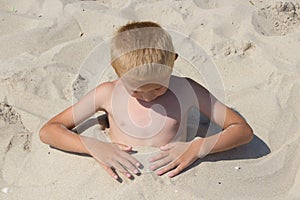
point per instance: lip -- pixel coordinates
(146, 100)
(149, 100)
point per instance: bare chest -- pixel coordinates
(141, 123)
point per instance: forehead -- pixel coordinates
(145, 82)
(148, 87)
(145, 86)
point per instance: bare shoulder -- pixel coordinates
(106, 87)
(188, 83)
(176, 79)
(103, 93)
(194, 83)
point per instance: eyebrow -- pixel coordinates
(153, 89)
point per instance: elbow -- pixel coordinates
(43, 134)
(247, 134)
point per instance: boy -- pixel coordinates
(146, 106)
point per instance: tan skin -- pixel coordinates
(56, 132)
(178, 155)
(157, 128)
(175, 155)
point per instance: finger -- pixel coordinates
(167, 146)
(110, 171)
(124, 147)
(160, 163)
(181, 167)
(177, 170)
(167, 168)
(158, 156)
(118, 166)
(131, 159)
(128, 165)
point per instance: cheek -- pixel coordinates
(134, 95)
(137, 95)
(161, 92)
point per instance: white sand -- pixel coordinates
(255, 45)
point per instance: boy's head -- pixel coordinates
(143, 53)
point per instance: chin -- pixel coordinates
(148, 100)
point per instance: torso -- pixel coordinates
(138, 123)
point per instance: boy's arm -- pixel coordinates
(235, 130)
(57, 135)
(56, 131)
(178, 155)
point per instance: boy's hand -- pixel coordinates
(178, 155)
(112, 156)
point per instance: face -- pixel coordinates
(148, 92)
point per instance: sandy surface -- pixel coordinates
(254, 44)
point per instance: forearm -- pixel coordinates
(58, 136)
(233, 136)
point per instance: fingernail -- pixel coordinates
(163, 147)
(136, 171)
(137, 164)
(128, 175)
(170, 175)
(115, 177)
(151, 167)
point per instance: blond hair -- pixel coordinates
(144, 48)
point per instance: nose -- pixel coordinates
(148, 97)
(147, 100)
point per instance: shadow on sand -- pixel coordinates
(254, 149)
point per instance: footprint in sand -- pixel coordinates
(232, 48)
(15, 144)
(279, 18)
(11, 117)
(79, 86)
(44, 81)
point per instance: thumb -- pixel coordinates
(124, 147)
(167, 146)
